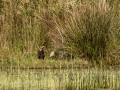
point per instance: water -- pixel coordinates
(59, 79)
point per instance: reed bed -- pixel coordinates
(84, 29)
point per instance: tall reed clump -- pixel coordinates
(89, 30)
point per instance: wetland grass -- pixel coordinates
(83, 29)
(35, 63)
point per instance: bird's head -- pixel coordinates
(42, 48)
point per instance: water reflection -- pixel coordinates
(64, 79)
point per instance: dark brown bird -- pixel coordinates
(41, 54)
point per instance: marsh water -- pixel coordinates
(59, 79)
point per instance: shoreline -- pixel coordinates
(83, 67)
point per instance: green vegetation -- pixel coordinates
(87, 29)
